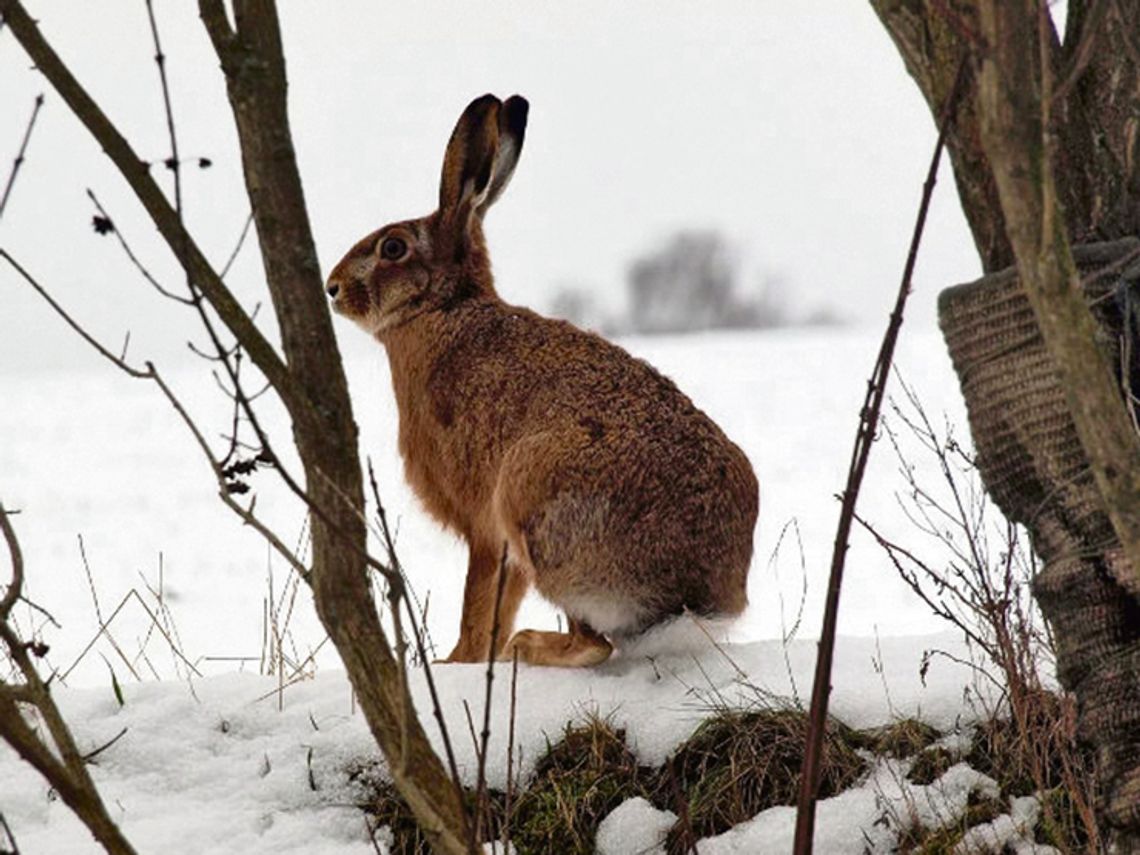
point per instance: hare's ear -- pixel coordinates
(481, 156)
(512, 129)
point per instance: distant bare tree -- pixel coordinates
(578, 306)
(691, 283)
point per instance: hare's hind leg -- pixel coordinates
(581, 647)
(479, 594)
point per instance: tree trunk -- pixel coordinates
(1096, 112)
(1048, 152)
(254, 64)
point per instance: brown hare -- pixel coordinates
(619, 500)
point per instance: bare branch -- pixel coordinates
(19, 161)
(485, 733)
(165, 218)
(66, 772)
(213, 15)
(16, 585)
(174, 163)
(15, 850)
(71, 322)
(146, 274)
(511, 751)
(437, 707)
(237, 247)
(868, 425)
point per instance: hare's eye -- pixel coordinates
(393, 248)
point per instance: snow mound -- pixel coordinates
(221, 769)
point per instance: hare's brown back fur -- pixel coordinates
(614, 483)
(616, 497)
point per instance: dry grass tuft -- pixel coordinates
(739, 763)
(1036, 752)
(944, 840)
(930, 765)
(580, 779)
(736, 764)
(903, 738)
(392, 820)
(575, 785)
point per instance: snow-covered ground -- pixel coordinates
(220, 769)
(214, 767)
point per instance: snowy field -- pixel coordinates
(102, 457)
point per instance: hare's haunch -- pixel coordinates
(618, 499)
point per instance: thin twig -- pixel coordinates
(173, 163)
(15, 850)
(485, 734)
(237, 247)
(19, 161)
(146, 274)
(91, 755)
(511, 751)
(71, 322)
(864, 438)
(16, 584)
(418, 635)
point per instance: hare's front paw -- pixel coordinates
(568, 650)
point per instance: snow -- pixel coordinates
(861, 818)
(210, 764)
(103, 456)
(634, 827)
(1010, 832)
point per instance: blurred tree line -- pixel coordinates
(691, 282)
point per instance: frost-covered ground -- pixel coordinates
(222, 770)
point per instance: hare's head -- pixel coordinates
(417, 266)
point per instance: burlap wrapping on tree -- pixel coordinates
(1033, 466)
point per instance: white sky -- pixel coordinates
(791, 127)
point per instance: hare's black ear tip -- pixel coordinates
(514, 113)
(481, 106)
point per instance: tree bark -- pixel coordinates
(1014, 97)
(1049, 154)
(1094, 118)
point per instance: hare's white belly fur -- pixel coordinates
(609, 614)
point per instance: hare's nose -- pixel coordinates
(333, 288)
